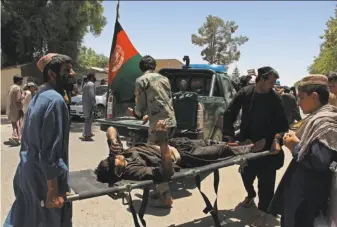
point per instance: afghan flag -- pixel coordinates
(123, 64)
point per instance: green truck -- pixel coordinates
(201, 93)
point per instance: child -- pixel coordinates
(304, 189)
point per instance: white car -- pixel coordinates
(76, 106)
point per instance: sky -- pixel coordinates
(282, 34)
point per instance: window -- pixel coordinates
(227, 88)
(101, 90)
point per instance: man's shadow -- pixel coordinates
(237, 217)
(179, 190)
(11, 143)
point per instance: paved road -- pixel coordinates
(103, 211)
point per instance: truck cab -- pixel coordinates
(200, 92)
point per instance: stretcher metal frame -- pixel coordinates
(123, 188)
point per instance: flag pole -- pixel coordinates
(117, 10)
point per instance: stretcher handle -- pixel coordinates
(190, 173)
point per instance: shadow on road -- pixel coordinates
(159, 212)
(10, 144)
(238, 217)
(4, 120)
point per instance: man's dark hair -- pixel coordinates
(286, 89)
(17, 79)
(90, 76)
(55, 65)
(321, 90)
(105, 171)
(147, 63)
(244, 81)
(332, 77)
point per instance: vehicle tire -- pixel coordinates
(99, 112)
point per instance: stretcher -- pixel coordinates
(84, 185)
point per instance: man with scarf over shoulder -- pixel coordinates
(305, 187)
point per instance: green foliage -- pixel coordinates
(236, 74)
(87, 57)
(216, 36)
(32, 28)
(327, 59)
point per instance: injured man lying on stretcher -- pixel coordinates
(144, 162)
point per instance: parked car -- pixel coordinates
(76, 106)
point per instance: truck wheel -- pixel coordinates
(100, 112)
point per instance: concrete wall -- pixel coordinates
(168, 63)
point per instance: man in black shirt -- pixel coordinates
(291, 108)
(262, 117)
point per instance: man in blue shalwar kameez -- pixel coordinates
(41, 179)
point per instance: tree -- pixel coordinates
(34, 28)
(87, 57)
(236, 74)
(216, 36)
(327, 58)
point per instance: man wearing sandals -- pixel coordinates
(153, 103)
(89, 102)
(41, 180)
(263, 117)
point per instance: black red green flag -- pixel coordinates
(123, 64)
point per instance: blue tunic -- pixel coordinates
(43, 156)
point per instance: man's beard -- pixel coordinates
(61, 83)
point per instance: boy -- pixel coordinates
(304, 189)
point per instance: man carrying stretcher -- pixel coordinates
(159, 162)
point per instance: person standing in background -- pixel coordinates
(332, 78)
(291, 108)
(29, 91)
(14, 108)
(89, 103)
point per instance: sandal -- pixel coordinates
(247, 202)
(259, 220)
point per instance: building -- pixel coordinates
(168, 63)
(7, 73)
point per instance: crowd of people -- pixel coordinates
(269, 119)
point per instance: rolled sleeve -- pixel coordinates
(52, 141)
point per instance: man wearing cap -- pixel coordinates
(262, 118)
(14, 108)
(29, 91)
(41, 179)
(305, 187)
